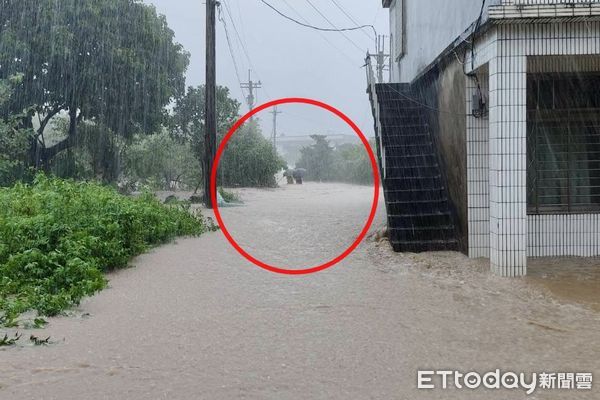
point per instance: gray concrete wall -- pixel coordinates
(452, 141)
(429, 27)
(443, 90)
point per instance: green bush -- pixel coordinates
(58, 237)
(249, 160)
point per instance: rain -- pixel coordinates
(377, 199)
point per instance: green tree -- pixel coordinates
(113, 62)
(187, 119)
(352, 164)
(161, 161)
(250, 159)
(317, 159)
(14, 140)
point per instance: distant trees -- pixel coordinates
(317, 159)
(113, 62)
(347, 163)
(186, 123)
(96, 90)
(161, 161)
(250, 159)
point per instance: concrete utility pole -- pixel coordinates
(275, 112)
(251, 86)
(381, 57)
(210, 139)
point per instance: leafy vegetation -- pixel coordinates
(160, 161)
(250, 160)
(113, 62)
(347, 163)
(57, 238)
(14, 140)
(229, 197)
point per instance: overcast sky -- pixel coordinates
(290, 60)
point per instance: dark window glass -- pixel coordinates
(563, 143)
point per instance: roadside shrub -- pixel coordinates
(58, 237)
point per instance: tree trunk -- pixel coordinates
(36, 147)
(50, 152)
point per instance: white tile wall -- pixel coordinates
(564, 235)
(478, 173)
(507, 155)
(510, 235)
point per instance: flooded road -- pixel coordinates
(194, 320)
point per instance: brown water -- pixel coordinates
(570, 279)
(194, 320)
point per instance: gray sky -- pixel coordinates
(290, 60)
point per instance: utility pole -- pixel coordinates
(275, 112)
(381, 57)
(251, 86)
(210, 139)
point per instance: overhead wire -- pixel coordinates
(351, 18)
(343, 53)
(242, 43)
(231, 52)
(335, 27)
(308, 25)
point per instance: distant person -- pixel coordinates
(299, 175)
(289, 175)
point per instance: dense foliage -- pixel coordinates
(187, 119)
(159, 161)
(58, 237)
(347, 163)
(249, 160)
(14, 140)
(113, 62)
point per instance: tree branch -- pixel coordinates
(51, 152)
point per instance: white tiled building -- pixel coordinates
(529, 185)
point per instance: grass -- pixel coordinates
(58, 239)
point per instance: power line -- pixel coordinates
(242, 43)
(307, 25)
(333, 25)
(347, 14)
(342, 52)
(237, 33)
(231, 52)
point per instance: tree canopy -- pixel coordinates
(187, 119)
(346, 163)
(113, 61)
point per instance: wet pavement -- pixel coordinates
(194, 320)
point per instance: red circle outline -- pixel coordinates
(213, 186)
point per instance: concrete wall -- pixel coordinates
(451, 129)
(443, 89)
(429, 27)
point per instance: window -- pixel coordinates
(563, 143)
(397, 25)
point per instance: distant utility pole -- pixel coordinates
(275, 112)
(210, 140)
(381, 57)
(251, 86)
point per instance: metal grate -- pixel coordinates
(563, 143)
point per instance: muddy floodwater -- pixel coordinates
(194, 320)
